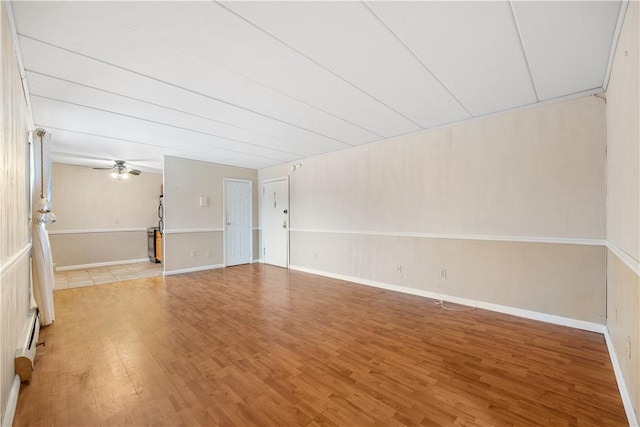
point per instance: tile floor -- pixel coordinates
(101, 275)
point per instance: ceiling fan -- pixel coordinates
(119, 171)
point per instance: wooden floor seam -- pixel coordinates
(257, 345)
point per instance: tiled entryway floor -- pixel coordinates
(100, 275)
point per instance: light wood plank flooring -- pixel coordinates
(260, 345)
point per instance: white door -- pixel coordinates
(238, 245)
(275, 217)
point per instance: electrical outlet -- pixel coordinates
(193, 253)
(398, 268)
(629, 347)
(315, 255)
(207, 254)
(443, 273)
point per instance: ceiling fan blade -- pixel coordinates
(105, 169)
(135, 172)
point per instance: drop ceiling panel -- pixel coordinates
(62, 90)
(258, 84)
(472, 47)
(216, 35)
(60, 115)
(567, 43)
(62, 64)
(351, 41)
(75, 28)
(90, 150)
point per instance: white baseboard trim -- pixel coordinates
(256, 261)
(12, 402)
(192, 269)
(101, 264)
(527, 314)
(624, 393)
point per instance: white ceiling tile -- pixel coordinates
(74, 27)
(351, 41)
(90, 150)
(567, 43)
(472, 47)
(62, 64)
(60, 115)
(257, 84)
(210, 32)
(62, 90)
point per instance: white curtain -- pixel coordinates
(43, 277)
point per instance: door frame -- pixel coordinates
(224, 217)
(262, 222)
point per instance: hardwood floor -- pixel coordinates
(260, 345)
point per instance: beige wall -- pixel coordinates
(526, 175)
(623, 145)
(533, 276)
(623, 322)
(85, 248)
(623, 203)
(93, 211)
(538, 172)
(189, 228)
(208, 247)
(14, 215)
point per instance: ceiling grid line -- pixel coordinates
(524, 51)
(406, 46)
(156, 105)
(168, 125)
(184, 88)
(49, 127)
(257, 84)
(322, 66)
(315, 107)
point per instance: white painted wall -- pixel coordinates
(14, 210)
(623, 203)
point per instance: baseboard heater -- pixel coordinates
(26, 351)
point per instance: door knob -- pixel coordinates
(228, 223)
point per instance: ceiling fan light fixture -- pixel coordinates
(119, 171)
(119, 174)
